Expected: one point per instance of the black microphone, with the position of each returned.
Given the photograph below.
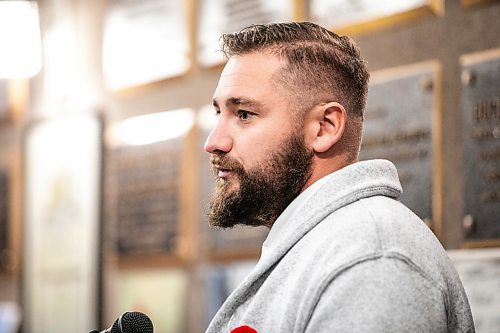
(130, 322)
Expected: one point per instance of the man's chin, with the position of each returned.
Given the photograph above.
(227, 187)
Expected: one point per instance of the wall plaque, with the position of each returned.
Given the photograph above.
(400, 122)
(143, 181)
(4, 100)
(159, 292)
(351, 17)
(143, 196)
(481, 142)
(4, 217)
(479, 270)
(475, 2)
(219, 281)
(217, 17)
(61, 250)
(144, 41)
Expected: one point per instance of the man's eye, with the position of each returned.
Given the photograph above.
(244, 115)
(217, 112)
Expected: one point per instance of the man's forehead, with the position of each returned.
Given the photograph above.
(246, 75)
(252, 64)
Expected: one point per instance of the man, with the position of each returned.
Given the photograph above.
(342, 255)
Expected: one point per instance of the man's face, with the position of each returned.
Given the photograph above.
(258, 150)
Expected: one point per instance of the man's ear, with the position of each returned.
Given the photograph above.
(332, 119)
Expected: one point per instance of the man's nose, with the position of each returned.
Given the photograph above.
(219, 140)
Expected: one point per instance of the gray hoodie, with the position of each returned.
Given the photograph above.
(351, 259)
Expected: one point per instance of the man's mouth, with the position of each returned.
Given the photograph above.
(225, 168)
(222, 172)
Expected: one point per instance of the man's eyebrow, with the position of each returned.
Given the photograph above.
(237, 101)
(242, 101)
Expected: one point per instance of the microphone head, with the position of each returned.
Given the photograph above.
(135, 322)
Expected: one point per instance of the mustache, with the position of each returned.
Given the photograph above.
(224, 162)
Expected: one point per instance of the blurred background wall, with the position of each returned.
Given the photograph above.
(103, 177)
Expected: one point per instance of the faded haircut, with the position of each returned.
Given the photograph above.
(321, 66)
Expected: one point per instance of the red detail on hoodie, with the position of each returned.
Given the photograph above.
(244, 329)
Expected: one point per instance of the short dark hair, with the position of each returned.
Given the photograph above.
(320, 63)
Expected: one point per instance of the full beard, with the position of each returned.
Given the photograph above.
(263, 192)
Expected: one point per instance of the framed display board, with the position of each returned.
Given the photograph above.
(216, 17)
(62, 257)
(14, 97)
(144, 178)
(219, 281)
(145, 41)
(481, 145)
(475, 2)
(406, 129)
(354, 17)
(4, 217)
(479, 270)
(161, 294)
(4, 101)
